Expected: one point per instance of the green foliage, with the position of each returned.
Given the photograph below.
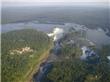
(75, 70)
(104, 52)
(68, 71)
(15, 67)
(69, 51)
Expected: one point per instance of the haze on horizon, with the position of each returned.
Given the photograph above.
(53, 2)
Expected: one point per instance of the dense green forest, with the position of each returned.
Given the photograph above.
(70, 68)
(21, 52)
(76, 70)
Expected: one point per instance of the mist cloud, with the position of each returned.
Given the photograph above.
(57, 34)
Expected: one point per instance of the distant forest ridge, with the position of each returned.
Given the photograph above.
(91, 16)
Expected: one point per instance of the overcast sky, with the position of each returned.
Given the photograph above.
(53, 2)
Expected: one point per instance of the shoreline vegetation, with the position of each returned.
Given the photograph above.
(77, 50)
(35, 69)
(18, 63)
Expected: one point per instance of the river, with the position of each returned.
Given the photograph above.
(98, 36)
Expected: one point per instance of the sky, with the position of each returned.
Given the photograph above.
(51, 2)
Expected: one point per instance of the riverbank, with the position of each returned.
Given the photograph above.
(35, 68)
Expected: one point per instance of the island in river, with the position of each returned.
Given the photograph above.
(74, 58)
(24, 50)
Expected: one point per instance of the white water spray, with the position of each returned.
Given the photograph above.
(57, 34)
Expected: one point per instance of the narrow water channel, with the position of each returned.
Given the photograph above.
(47, 66)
